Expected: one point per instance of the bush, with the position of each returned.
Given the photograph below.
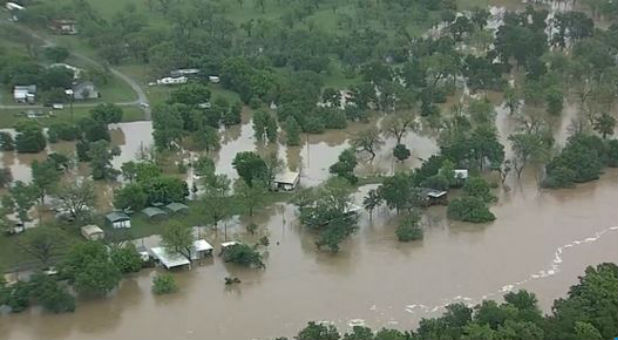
(401, 152)
(6, 141)
(408, 229)
(580, 161)
(62, 131)
(126, 258)
(612, 153)
(243, 255)
(469, 209)
(479, 188)
(50, 295)
(18, 296)
(437, 182)
(164, 284)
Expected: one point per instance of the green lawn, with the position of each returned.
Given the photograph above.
(8, 118)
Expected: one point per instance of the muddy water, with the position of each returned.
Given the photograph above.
(541, 241)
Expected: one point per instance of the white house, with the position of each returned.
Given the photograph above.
(214, 79)
(85, 90)
(461, 174)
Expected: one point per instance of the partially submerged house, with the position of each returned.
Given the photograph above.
(24, 94)
(167, 259)
(64, 26)
(434, 197)
(176, 208)
(92, 232)
(154, 213)
(286, 181)
(85, 90)
(118, 219)
(200, 249)
(227, 245)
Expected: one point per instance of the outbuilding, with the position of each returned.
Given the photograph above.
(167, 259)
(434, 197)
(200, 249)
(92, 232)
(176, 207)
(24, 93)
(286, 181)
(227, 245)
(118, 219)
(153, 212)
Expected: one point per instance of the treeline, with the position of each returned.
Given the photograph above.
(589, 312)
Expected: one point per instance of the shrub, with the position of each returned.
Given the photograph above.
(469, 209)
(50, 295)
(408, 229)
(164, 284)
(126, 258)
(479, 188)
(243, 255)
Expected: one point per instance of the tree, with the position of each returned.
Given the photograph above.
(318, 331)
(479, 188)
(485, 146)
(23, 197)
(178, 239)
(89, 268)
(345, 166)
(329, 214)
(5, 177)
(56, 54)
(107, 113)
(43, 243)
(168, 125)
(401, 152)
(30, 138)
(399, 192)
(93, 130)
(368, 140)
(6, 141)
(190, 94)
(243, 255)
(397, 125)
(126, 258)
(76, 197)
(528, 148)
(264, 126)
(587, 302)
(101, 156)
(372, 201)
(49, 294)
(359, 333)
(604, 124)
(469, 209)
(45, 176)
(581, 160)
(164, 284)
(250, 167)
(408, 229)
(132, 196)
(292, 131)
(250, 196)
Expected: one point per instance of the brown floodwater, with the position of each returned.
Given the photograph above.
(540, 241)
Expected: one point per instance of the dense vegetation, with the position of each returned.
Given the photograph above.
(589, 311)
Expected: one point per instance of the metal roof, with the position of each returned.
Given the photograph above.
(116, 216)
(169, 260)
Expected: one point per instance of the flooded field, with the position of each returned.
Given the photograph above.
(540, 241)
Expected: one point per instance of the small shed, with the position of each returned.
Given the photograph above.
(214, 79)
(92, 232)
(200, 249)
(167, 259)
(286, 181)
(176, 207)
(226, 245)
(152, 212)
(118, 219)
(461, 174)
(434, 197)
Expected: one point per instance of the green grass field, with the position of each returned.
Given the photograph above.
(8, 118)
